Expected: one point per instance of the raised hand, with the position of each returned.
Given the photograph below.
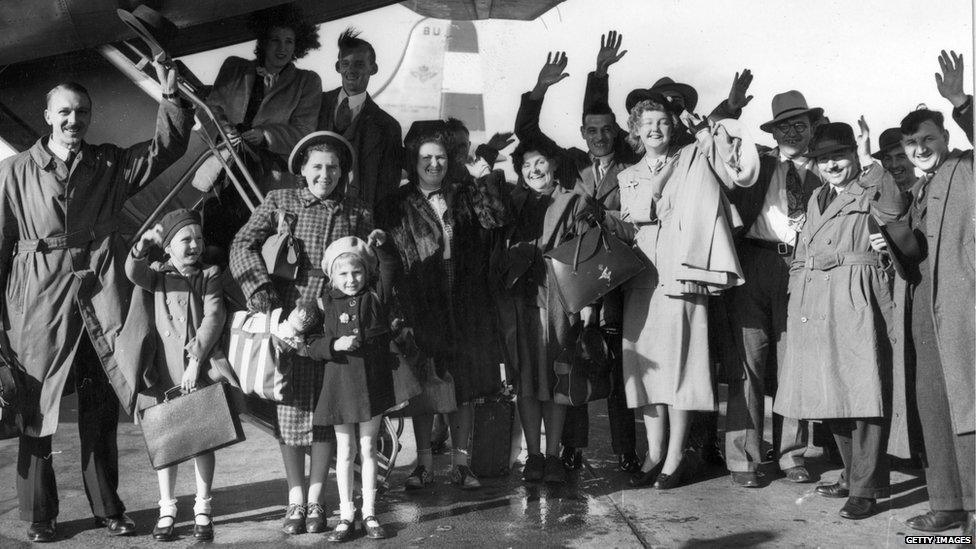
(376, 238)
(552, 71)
(609, 52)
(950, 82)
(165, 73)
(500, 140)
(740, 87)
(863, 141)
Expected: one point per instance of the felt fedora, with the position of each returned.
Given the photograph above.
(150, 25)
(832, 137)
(889, 139)
(787, 105)
(335, 141)
(665, 86)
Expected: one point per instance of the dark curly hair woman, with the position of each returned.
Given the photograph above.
(265, 105)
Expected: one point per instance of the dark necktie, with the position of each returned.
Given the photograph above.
(921, 197)
(343, 117)
(826, 197)
(796, 205)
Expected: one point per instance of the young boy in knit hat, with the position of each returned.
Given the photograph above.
(189, 315)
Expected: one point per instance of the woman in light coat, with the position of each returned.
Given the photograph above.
(672, 198)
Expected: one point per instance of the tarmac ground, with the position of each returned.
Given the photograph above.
(597, 508)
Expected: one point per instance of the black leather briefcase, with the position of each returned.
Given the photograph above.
(589, 266)
(189, 425)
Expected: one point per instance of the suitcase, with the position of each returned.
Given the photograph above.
(491, 434)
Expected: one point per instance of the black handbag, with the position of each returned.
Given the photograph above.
(189, 425)
(583, 373)
(589, 266)
(280, 250)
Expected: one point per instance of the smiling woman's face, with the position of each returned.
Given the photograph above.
(538, 171)
(655, 129)
(431, 165)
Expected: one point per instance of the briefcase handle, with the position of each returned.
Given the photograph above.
(178, 388)
(579, 245)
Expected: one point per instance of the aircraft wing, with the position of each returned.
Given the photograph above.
(468, 10)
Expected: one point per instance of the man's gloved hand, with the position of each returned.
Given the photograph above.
(264, 300)
(592, 211)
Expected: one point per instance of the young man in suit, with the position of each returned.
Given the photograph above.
(772, 213)
(892, 156)
(942, 322)
(349, 111)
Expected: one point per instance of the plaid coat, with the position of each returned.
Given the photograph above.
(314, 224)
(457, 327)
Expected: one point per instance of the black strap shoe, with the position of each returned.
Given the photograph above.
(119, 525)
(373, 528)
(42, 532)
(343, 532)
(165, 533)
(857, 508)
(203, 532)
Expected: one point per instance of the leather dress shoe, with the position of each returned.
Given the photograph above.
(673, 480)
(628, 462)
(294, 520)
(643, 479)
(745, 479)
(42, 532)
(165, 533)
(857, 508)
(798, 474)
(119, 525)
(315, 518)
(937, 521)
(572, 458)
(835, 490)
(203, 532)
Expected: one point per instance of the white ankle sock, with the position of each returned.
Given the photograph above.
(167, 507)
(369, 503)
(202, 506)
(347, 511)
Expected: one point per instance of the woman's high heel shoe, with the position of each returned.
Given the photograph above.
(642, 479)
(673, 480)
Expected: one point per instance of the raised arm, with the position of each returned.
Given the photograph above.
(950, 84)
(733, 158)
(143, 162)
(136, 263)
(527, 120)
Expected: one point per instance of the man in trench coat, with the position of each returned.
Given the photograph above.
(942, 299)
(66, 292)
(838, 354)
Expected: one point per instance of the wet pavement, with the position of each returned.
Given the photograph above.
(596, 509)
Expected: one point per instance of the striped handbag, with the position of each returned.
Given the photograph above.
(253, 355)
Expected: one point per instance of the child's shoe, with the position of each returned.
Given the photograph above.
(294, 519)
(167, 532)
(373, 528)
(315, 518)
(203, 532)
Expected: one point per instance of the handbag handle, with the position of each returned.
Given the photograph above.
(579, 245)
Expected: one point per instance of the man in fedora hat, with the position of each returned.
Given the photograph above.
(892, 156)
(773, 211)
(838, 353)
(942, 300)
(595, 174)
(350, 111)
(66, 295)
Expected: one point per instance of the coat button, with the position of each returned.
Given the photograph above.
(809, 279)
(823, 317)
(355, 331)
(169, 317)
(352, 302)
(167, 334)
(826, 277)
(828, 241)
(354, 317)
(803, 319)
(182, 319)
(894, 339)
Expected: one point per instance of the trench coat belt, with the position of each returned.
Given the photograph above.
(75, 239)
(826, 262)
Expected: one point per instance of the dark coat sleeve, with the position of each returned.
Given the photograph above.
(487, 201)
(964, 117)
(246, 264)
(214, 317)
(143, 162)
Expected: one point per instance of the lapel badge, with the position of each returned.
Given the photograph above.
(605, 273)
(344, 318)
